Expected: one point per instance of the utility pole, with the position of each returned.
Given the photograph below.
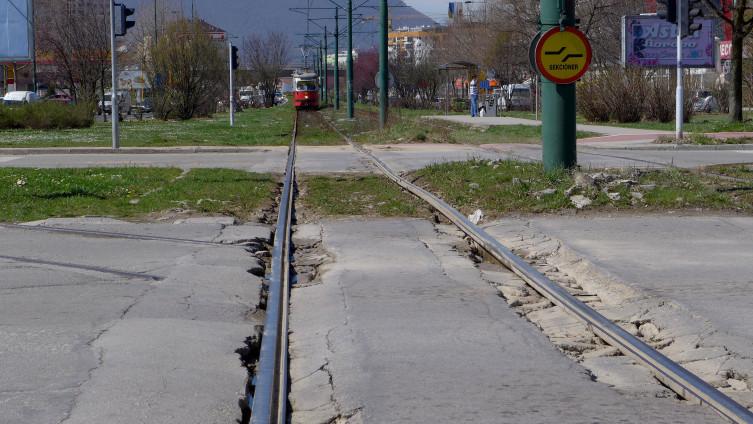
(231, 65)
(155, 22)
(114, 100)
(383, 65)
(350, 60)
(679, 98)
(321, 72)
(558, 106)
(326, 76)
(337, 59)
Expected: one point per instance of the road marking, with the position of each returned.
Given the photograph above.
(7, 158)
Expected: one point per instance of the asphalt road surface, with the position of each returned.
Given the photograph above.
(100, 329)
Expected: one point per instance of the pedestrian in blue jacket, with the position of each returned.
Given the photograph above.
(473, 92)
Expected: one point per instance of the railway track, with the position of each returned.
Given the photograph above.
(269, 400)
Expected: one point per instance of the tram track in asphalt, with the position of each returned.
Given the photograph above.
(683, 382)
(113, 235)
(266, 399)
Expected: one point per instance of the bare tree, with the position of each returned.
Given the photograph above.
(266, 57)
(416, 80)
(742, 25)
(189, 68)
(79, 46)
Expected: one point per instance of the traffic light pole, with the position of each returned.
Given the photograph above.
(114, 98)
(558, 106)
(232, 94)
(326, 75)
(383, 64)
(680, 95)
(350, 60)
(337, 59)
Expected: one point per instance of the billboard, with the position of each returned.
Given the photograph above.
(16, 35)
(651, 42)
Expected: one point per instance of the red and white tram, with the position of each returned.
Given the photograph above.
(306, 93)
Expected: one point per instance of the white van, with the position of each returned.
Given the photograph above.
(18, 98)
(515, 97)
(124, 103)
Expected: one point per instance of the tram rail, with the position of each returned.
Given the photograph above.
(683, 382)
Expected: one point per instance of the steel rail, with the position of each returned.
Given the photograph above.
(269, 403)
(673, 375)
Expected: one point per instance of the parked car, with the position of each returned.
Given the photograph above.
(61, 98)
(514, 97)
(144, 107)
(18, 98)
(705, 102)
(124, 103)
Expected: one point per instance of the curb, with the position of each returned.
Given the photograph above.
(132, 150)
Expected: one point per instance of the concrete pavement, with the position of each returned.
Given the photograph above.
(683, 284)
(403, 329)
(105, 329)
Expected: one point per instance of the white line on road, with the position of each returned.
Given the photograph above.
(8, 158)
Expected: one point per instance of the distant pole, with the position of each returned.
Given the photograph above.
(114, 98)
(232, 95)
(350, 60)
(321, 73)
(383, 66)
(155, 22)
(33, 47)
(337, 59)
(679, 109)
(326, 75)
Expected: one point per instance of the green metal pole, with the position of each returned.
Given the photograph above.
(383, 66)
(320, 71)
(337, 59)
(558, 100)
(326, 75)
(350, 59)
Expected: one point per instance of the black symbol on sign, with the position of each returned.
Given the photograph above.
(562, 50)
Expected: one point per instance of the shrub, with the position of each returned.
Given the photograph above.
(660, 99)
(591, 100)
(46, 116)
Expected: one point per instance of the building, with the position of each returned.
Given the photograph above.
(414, 42)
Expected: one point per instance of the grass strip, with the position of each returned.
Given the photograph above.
(32, 194)
(511, 187)
(357, 195)
(253, 127)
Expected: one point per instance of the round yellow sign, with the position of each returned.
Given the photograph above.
(563, 56)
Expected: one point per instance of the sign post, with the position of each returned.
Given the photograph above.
(562, 55)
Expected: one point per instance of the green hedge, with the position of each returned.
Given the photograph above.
(46, 116)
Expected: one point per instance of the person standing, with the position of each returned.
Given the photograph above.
(473, 92)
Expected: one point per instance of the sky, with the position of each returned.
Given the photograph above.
(435, 9)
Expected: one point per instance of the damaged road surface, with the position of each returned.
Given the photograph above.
(126, 323)
(396, 325)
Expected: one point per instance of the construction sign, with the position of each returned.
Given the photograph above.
(563, 56)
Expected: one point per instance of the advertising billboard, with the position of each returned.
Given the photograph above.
(651, 42)
(16, 31)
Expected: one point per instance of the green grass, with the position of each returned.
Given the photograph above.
(357, 195)
(31, 194)
(700, 139)
(253, 127)
(410, 126)
(511, 187)
(699, 123)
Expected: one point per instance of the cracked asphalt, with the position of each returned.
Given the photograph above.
(404, 329)
(85, 337)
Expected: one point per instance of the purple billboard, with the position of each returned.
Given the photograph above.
(650, 42)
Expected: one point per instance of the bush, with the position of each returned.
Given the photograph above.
(613, 94)
(660, 99)
(46, 116)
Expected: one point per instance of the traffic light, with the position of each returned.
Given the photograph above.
(670, 12)
(234, 57)
(692, 12)
(122, 24)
